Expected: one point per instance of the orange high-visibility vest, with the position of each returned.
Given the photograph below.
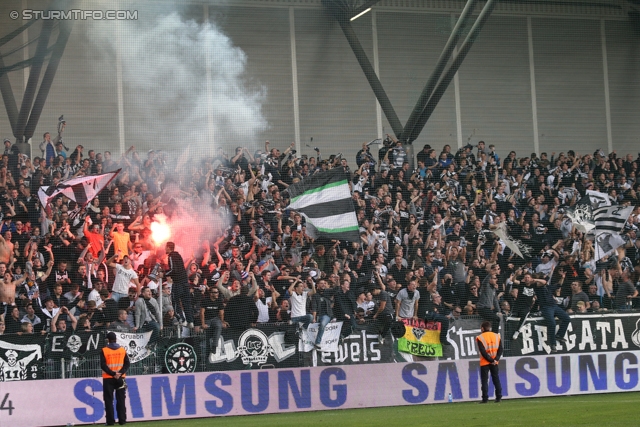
(114, 358)
(491, 342)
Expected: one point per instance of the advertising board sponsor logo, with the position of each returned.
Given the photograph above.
(362, 346)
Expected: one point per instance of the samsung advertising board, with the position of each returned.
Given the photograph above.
(208, 394)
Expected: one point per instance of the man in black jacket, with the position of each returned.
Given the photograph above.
(182, 298)
(345, 308)
(321, 308)
(241, 312)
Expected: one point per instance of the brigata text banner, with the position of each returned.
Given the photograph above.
(216, 394)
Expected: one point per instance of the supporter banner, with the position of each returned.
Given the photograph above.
(180, 358)
(213, 394)
(421, 338)
(586, 334)
(74, 344)
(19, 360)
(360, 347)
(330, 337)
(135, 344)
(461, 337)
(255, 348)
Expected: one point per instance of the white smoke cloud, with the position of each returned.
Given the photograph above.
(176, 74)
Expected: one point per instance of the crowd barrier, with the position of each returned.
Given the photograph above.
(76, 355)
(269, 369)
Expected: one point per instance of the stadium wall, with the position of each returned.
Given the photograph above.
(79, 401)
(539, 77)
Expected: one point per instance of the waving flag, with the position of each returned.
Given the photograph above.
(611, 218)
(517, 246)
(606, 243)
(582, 215)
(598, 199)
(81, 189)
(325, 201)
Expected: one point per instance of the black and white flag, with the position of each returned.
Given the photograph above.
(581, 215)
(598, 199)
(324, 199)
(611, 218)
(81, 189)
(606, 243)
(517, 246)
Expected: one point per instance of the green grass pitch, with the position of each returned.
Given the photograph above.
(614, 409)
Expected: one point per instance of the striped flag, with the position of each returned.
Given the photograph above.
(421, 338)
(325, 201)
(611, 218)
(81, 189)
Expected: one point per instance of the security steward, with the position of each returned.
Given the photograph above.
(490, 349)
(114, 362)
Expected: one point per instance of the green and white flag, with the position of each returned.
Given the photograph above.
(325, 201)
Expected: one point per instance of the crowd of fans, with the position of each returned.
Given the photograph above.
(426, 250)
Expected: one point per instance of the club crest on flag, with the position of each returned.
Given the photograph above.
(418, 333)
(581, 215)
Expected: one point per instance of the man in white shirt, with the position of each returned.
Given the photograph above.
(548, 263)
(407, 301)
(138, 256)
(94, 295)
(379, 265)
(263, 306)
(298, 302)
(125, 274)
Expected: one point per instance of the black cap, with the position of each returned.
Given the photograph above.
(111, 336)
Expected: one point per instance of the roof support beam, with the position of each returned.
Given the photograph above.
(56, 55)
(440, 89)
(371, 76)
(421, 104)
(34, 77)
